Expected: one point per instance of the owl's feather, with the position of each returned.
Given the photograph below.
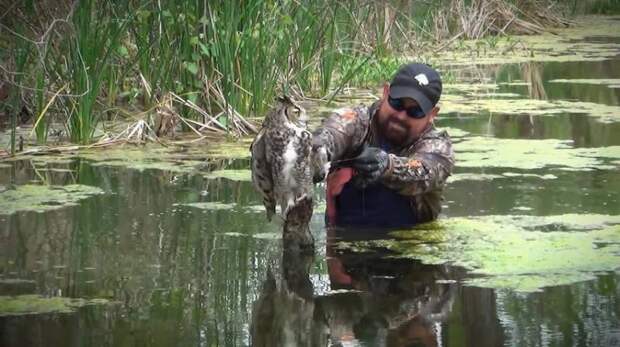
(261, 174)
(281, 168)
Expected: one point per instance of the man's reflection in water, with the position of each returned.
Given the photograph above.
(375, 300)
(391, 302)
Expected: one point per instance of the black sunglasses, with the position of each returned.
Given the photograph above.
(414, 111)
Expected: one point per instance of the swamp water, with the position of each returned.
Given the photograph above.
(163, 247)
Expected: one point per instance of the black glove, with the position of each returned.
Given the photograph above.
(370, 165)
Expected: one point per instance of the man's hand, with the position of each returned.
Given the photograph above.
(370, 165)
(319, 162)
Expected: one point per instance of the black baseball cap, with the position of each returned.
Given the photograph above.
(419, 82)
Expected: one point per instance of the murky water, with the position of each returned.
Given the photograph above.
(173, 273)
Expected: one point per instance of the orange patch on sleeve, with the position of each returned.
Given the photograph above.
(412, 163)
(349, 115)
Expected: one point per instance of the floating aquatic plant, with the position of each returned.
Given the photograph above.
(527, 154)
(513, 252)
(466, 104)
(36, 304)
(598, 81)
(233, 175)
(209, 205)
(40, 198)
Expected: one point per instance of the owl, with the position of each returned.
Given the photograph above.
(281, 168)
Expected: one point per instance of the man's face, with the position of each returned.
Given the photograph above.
(397, 127)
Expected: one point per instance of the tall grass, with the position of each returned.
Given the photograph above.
(229, 58)
(41, 124)
(596, 6)
(97, 36)
(22, 51)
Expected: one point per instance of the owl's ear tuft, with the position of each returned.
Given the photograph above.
(285, 99)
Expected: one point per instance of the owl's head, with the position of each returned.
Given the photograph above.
(291, 110)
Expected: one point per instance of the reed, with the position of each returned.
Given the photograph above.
(22, 51)
(41, 124)
(225, 60)
(97, 36)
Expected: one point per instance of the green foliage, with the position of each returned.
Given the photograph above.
(36, 304)
(22, 52)
(514, 252)
(39, 103)
(41, 198)
(228, 57)
(97, 35)
(596, 6)
(492, 41)
(374, 69)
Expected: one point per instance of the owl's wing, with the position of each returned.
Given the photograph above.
(261, 173)
(306, 153)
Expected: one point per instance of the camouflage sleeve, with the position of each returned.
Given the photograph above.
(425, 170)
(341, 134)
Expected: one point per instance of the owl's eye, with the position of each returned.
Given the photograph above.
(292, 111)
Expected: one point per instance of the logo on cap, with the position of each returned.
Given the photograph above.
(422, 79)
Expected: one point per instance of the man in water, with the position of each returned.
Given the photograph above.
(389, 164)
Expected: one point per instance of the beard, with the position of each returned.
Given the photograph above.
(394, 131)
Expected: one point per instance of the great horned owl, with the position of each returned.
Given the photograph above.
(281, 168)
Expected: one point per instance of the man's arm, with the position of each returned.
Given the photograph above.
(426, 170)
(340, 134)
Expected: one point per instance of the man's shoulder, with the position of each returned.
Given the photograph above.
(349, 122)
(352, 113)
(434, 141)
(437, 134)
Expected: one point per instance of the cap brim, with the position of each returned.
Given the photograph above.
(425, 103)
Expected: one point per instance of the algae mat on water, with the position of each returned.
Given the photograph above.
(469, 104)
(40, 198)
(148, 157)
(527, 154)
(210, 205)
(488, 177)
(612, 82)
(177, 158)
(233, 175)
(574, 43)
(36, 304)
(500, 252)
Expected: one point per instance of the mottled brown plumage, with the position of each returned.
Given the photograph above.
(281, 169)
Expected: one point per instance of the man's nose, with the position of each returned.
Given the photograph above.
(401, 115)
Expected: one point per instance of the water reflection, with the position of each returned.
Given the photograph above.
(533, 83)
(375, 300)
(601, 94)
(393, 302)
(286, 313)
(532, 75)
(174, 274)
(179, 275)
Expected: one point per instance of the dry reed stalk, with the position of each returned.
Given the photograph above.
(240, 126)
(497, 17)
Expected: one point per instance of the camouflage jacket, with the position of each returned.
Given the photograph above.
(418, 170)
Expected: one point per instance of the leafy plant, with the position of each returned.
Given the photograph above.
(226, 59)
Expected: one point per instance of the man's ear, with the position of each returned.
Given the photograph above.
(386, 90)
(434, 113)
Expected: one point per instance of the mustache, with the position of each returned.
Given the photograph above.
(398, 121)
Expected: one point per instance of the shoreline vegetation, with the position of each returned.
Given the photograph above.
(87, 74)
